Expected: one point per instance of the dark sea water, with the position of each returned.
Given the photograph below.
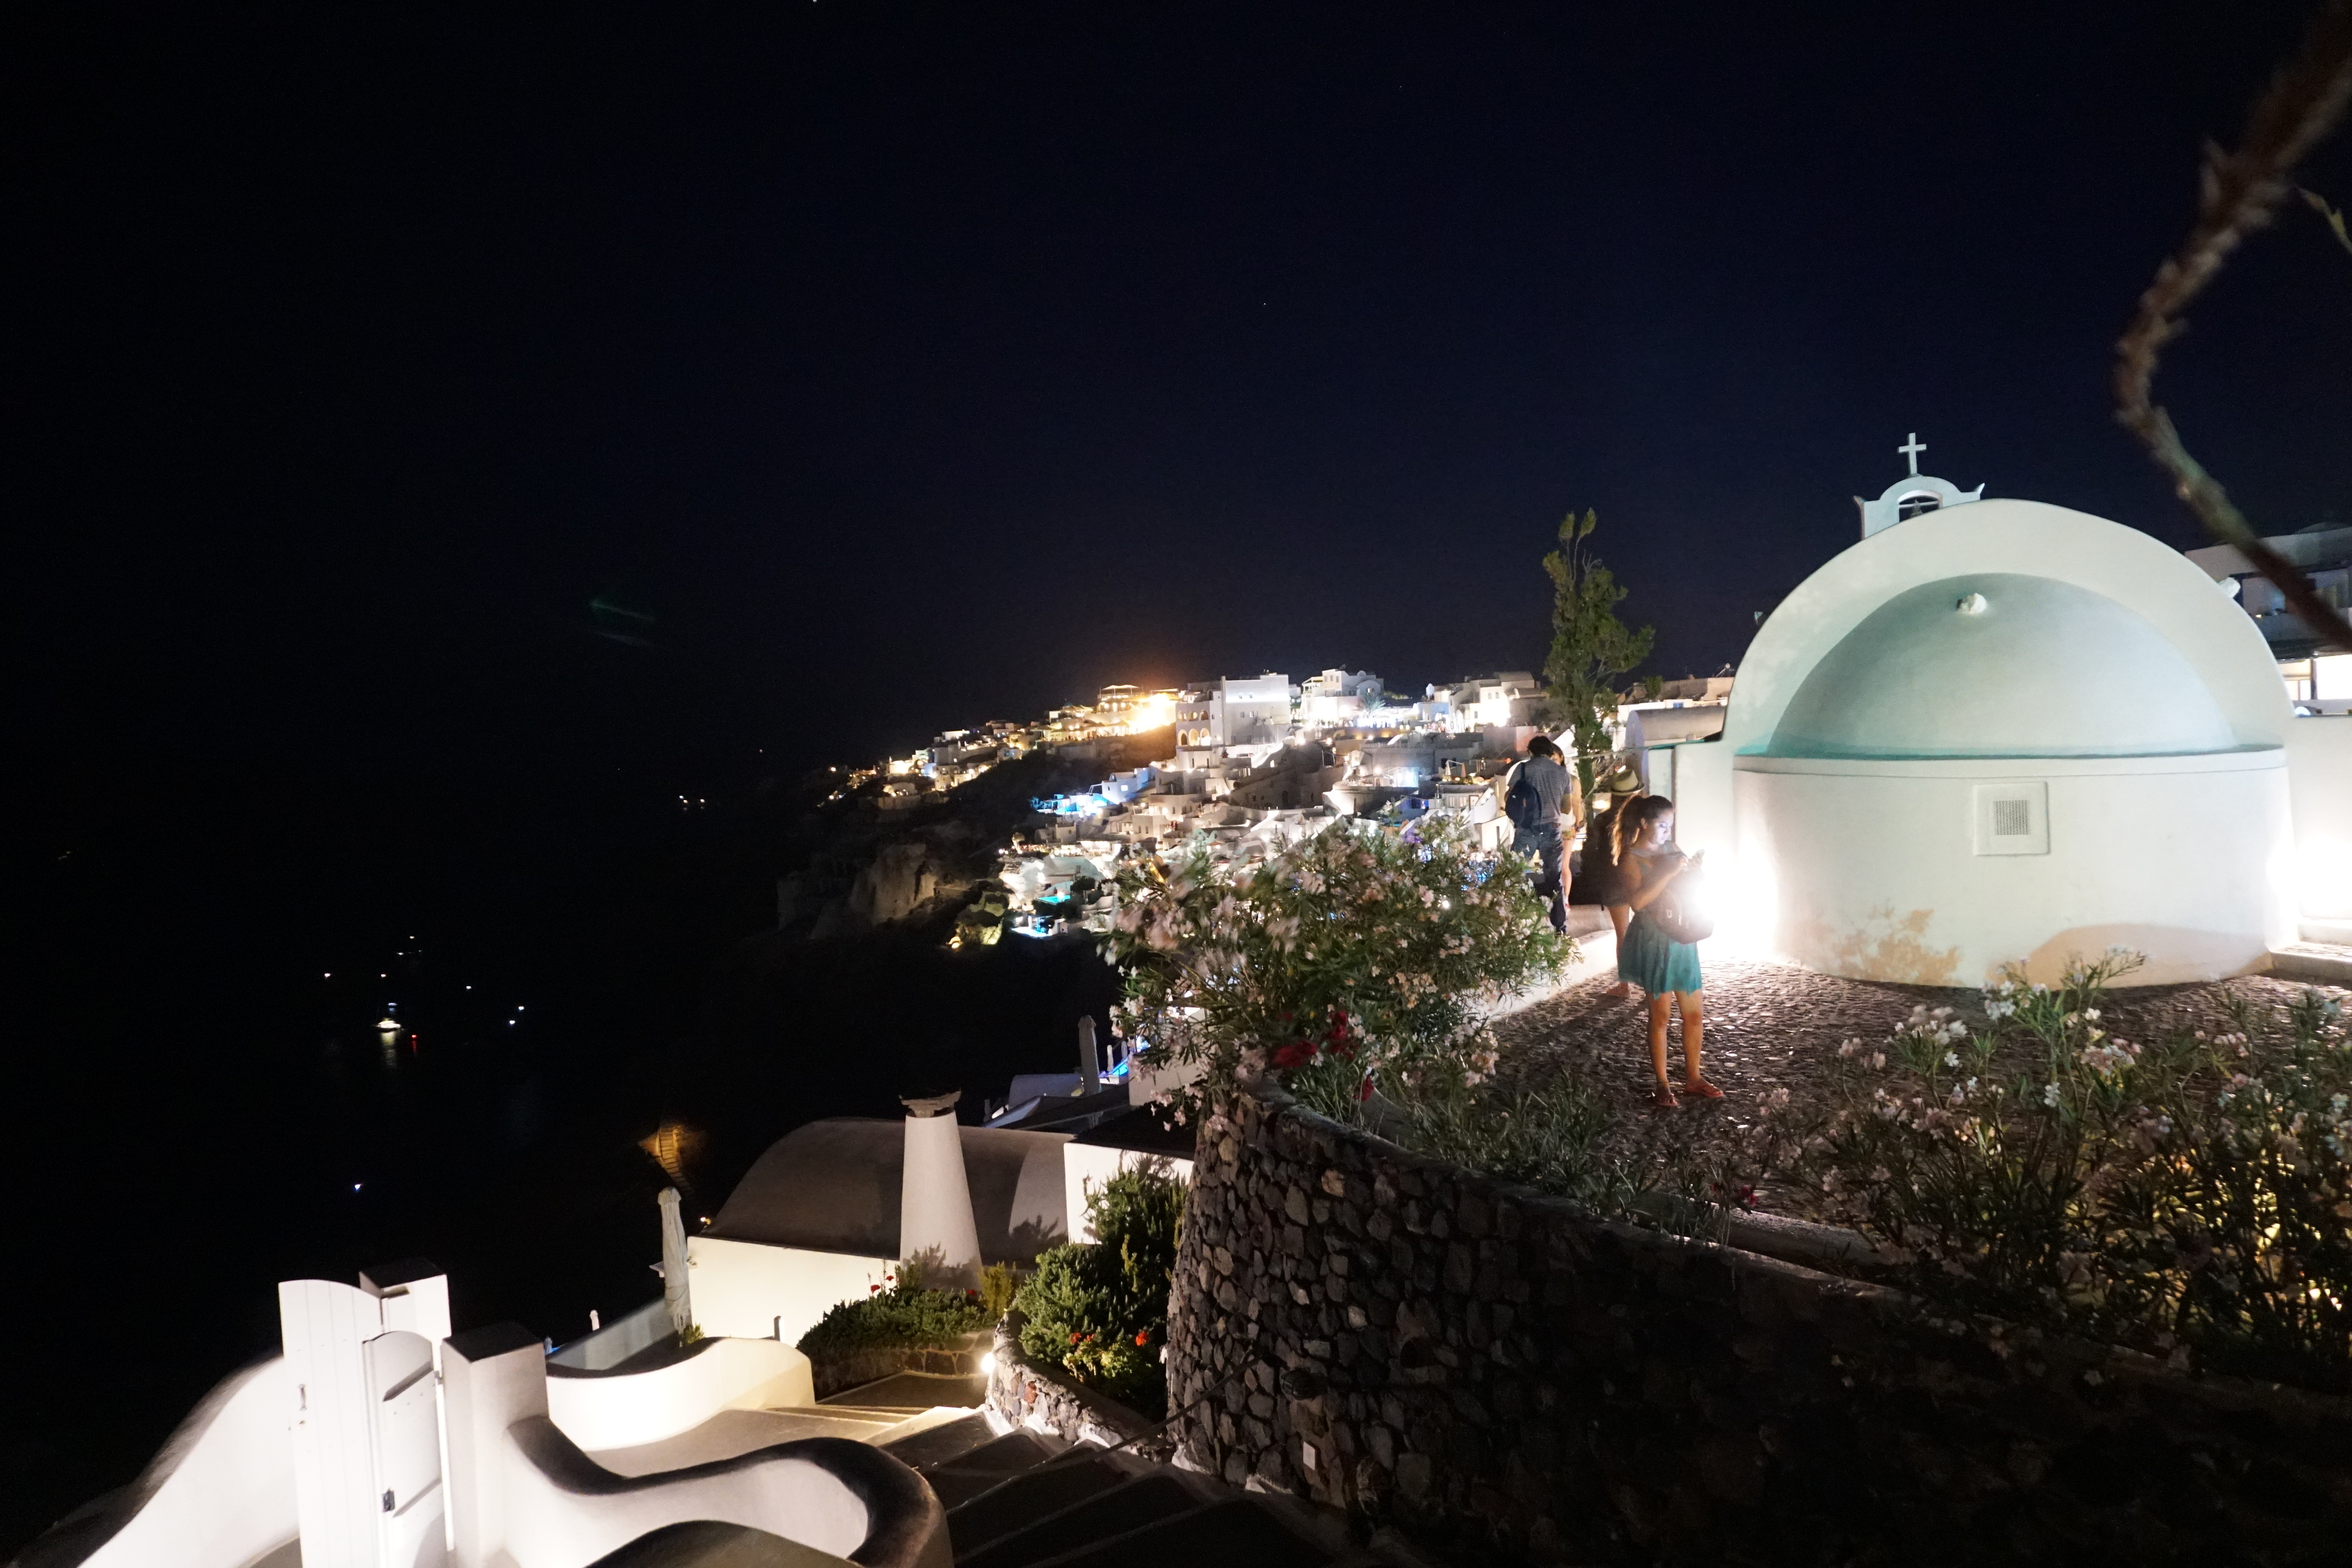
(201, 1103)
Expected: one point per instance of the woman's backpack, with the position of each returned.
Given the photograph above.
(1681, 911)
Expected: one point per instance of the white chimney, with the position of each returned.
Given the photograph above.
(935, 1223)
(674, 1264)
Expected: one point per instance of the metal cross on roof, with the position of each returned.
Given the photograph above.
(1912, 449)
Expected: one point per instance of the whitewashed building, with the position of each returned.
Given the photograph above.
(2000, 730)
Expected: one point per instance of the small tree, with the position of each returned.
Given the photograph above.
(1589, 646)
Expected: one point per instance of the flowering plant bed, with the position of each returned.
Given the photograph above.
(2162, 1168)
(2186, 1193)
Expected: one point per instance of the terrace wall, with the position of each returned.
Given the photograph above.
(1502, 1376)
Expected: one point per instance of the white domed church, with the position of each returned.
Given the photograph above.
(1998, 731)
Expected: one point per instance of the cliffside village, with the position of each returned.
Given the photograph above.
(1252, 764)
(1257, 763)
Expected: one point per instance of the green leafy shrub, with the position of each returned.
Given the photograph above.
(1353, 957)
(1100, 1310)
(2191, 1196)
(897, 1313)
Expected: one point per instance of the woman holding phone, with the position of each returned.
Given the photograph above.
(1647, 865)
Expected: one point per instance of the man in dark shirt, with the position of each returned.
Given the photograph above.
(1546, 772)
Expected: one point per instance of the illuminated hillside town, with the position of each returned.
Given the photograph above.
(1256, 764)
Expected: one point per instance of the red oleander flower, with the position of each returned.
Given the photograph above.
(1143, 1336)
(1298, 1053)
(1076, 1337)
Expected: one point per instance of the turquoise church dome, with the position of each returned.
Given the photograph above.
(2001, 664)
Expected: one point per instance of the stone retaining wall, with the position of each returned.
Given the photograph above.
(1042, 1399)
(852, 1369)
(1504, 1377)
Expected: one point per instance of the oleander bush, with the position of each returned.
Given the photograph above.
(2190, 1196)
(1355, 958)
(1098, 1310)
(898, 1313)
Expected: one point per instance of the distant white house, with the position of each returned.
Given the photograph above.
(1336, 698)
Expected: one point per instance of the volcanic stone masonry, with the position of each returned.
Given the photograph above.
(1499, 1375)
(1043, 1400)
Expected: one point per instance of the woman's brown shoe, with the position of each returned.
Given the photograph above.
(1663, 1099)
(1700, 1089)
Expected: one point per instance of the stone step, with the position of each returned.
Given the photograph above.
(2321, 963)
(910, 1391)
(1025, 1499)
(1014, 1451)
(939, 1444)
(1125, 1507)
(1234, 1534)
(974, 1471)
(874, 1416)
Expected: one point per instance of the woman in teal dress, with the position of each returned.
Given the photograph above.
(1647, 864)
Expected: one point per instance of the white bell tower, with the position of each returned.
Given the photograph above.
(1912, 494)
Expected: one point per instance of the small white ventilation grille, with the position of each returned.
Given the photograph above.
(2012, 818)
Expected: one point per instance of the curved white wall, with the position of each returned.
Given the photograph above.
(620, 1410)
(554, 1520)
(1870, 869)
(524, 1495)
(750, 1288)
(2319, 760)
(221, 1492)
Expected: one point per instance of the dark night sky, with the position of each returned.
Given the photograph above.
(917, 365)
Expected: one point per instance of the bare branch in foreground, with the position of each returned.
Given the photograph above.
(2238, 194)
(2334, 216)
